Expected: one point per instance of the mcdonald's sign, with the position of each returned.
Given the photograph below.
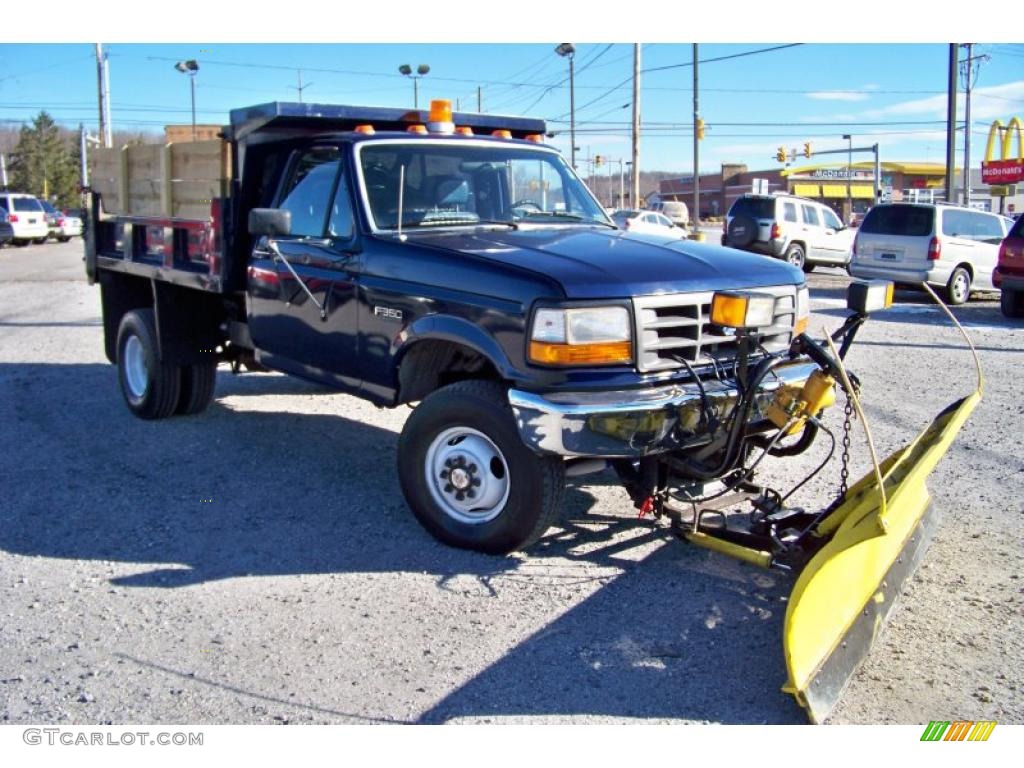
(1007, 169)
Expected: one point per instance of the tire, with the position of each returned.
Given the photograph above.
(150, 386)
(795, 255)
(63, 239)
(1012, 303)
(808, 268)
(469, 426)
(198, 383)
(958, 289)
(40, 240)
(19, 243)
(742, 231)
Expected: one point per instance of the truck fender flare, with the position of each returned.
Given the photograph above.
(457, 331)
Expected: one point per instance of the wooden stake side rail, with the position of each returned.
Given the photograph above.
(160, 210)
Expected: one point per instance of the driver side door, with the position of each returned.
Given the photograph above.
(302, 287)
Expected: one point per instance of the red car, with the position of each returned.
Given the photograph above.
(1008, 275)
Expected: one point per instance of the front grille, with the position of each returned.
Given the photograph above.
(679, 325)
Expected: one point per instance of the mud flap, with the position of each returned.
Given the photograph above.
(845, 593)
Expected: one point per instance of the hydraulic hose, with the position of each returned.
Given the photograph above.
(740, 416)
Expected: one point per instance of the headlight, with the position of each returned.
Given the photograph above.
(803, 311)
(584, 336)
(866, 296)
(742, 310)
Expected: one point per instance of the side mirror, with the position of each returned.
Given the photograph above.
(272, 222)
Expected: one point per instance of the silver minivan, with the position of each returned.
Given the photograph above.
(947, 246)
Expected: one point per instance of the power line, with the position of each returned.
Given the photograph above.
(722, 58)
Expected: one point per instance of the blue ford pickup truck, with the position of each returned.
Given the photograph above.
(454, 262)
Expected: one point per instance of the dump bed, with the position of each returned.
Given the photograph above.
(157, 211)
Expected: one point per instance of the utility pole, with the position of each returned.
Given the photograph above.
(84, 165)
(480, 99)
(695, 218)
(969, 70)
(103, 87)
(951, 124)
(3, 171)
(301, 87)
(635, 190)
(622, 182)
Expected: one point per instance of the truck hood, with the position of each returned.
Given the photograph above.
(594, 263)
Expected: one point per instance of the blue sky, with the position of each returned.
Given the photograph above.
(893, 94)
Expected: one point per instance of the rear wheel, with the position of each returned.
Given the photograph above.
(197, 387)
(795, 256)
(808, 268)
(40, 240)
(1012, 303)
(150, 386)
(958, 289)
(469, 478)
(63, 238)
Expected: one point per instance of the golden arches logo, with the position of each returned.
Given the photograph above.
(994, 131)
(1007, 169)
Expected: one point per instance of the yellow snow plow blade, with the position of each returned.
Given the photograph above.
(845, 593)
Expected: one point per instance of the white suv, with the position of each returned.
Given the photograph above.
(27, 217)
(801, 231)
(944, 245)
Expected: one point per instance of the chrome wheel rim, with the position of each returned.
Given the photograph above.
(467, 475)
(136, 374)
(796, 257)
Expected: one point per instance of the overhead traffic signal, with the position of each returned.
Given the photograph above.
(781, 155)
(598, 160)
(807, 149)
(700, 128)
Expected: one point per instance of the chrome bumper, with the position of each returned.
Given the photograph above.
(634, 422)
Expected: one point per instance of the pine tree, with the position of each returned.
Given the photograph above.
(43, 163)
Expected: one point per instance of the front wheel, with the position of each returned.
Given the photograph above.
(469, 478)
(958, 289)
(40, 240)
(150, 385)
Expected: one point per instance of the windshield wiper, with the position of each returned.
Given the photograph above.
(570, 216)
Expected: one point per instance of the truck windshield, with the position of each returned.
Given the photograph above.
(449, 183)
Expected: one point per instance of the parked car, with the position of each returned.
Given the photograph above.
(675, 210)
(947, 246)
(6, 230)
(798, 230)
(68, 225)
(647, 223)
(26, 215)
(1009, 273)
(52, 215)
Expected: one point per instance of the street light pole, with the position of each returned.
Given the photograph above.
(190, 68)
(849, 177)
(568, 50)
(421, 71)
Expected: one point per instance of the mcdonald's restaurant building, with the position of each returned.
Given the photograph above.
(850, 191)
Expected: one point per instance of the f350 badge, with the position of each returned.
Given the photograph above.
(388, 313)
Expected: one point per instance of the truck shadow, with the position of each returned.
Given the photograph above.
(673, 633)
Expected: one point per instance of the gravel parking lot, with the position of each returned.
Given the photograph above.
(257, 564)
